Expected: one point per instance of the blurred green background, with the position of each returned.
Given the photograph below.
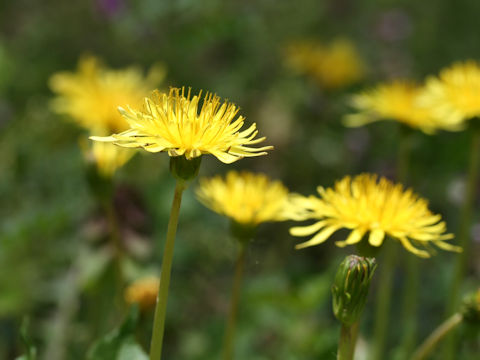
(52, 231)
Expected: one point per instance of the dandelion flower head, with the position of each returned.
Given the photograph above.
(333, 65)
(455, 93)
(181, 124)
(92, 94)
(399, 101)
(247, 198)
(379, 208)
(143, 292)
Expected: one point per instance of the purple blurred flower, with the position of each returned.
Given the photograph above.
(110, 7)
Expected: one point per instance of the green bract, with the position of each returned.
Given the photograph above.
(351, 286)
(184, 169)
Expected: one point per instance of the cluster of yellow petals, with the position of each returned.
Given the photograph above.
(247, 198)
(454, 95)
(187, 125)
(143, 292)
(400, 101)
(381, 208)
(92, 94)
(333, 65)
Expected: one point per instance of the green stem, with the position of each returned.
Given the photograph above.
(436, 336)
(348, 339)
(463, 238)
(161, 307)
(410, 291)
(410, 300)
(403, 154)
(384, 298)
(232, 317)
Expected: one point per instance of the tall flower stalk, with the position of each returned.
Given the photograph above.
(161, 308)
(437, 336)
(350, 290)
(401, 101)
(411, 285)
(103, 161)
(469, 313)
(384, 299)
(90, 97)
(410, 293)
(248, 199)
(186, 127)
(184, 171)
(231, 324)
(455, 96)
(365, 205)
(347, 342)
(463, 236)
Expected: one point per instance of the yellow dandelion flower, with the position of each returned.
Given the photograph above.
(364, 205)
(301, 56)
(92, 94)
(333, 66)
(172, 122)
(107, 158)
(454, 95)
(247, 198)
(143, 292)
(398, 101)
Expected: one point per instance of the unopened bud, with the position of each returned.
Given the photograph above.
(471, 308)
(350, 288)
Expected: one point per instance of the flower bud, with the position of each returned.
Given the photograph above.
(184, 169)
(471, 308)
(350, 288)
(143, 292)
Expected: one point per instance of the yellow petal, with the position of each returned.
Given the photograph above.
(354, 237)
(319, 238)
(449, 247)
(408, 245)
(307, 230)
(376, 237)
(103, 138)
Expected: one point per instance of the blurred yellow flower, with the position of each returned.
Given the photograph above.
(399, 101)
(143, 292)
(92, 94)
(107, 157)
(365, 204)
(333, 66)
(247, 198)
(454, 95)
(172, 122)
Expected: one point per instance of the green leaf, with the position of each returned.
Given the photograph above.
(130, 350)
(117, 342)
(31, 351)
